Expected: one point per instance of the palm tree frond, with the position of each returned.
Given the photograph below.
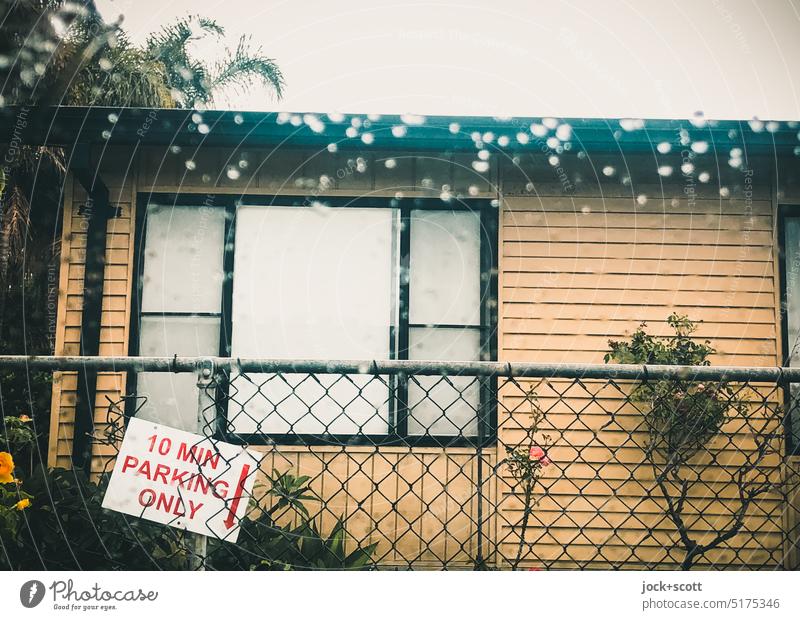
(243, 64)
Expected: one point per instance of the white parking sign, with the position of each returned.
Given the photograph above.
(182, 480)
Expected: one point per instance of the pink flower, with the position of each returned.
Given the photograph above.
(539, 455)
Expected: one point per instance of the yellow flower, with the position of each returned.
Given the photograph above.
(25, 418)
(22, 504)
(6, 467)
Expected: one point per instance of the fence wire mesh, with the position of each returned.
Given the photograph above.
(452, 470)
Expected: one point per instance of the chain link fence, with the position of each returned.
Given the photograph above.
(480, 465)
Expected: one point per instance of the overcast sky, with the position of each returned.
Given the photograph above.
(582, 58)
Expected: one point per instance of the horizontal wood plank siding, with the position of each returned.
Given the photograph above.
(576, 272)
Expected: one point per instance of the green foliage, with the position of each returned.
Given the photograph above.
(66, 528)
(680, 349)
(682, 416)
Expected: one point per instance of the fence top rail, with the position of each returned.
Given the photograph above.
(411, 367)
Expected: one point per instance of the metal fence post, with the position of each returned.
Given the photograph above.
(206, 418)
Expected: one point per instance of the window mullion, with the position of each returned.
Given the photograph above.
(402, 335)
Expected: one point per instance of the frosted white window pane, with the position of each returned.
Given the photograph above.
(183, 259)
(302, 404)
(792, 270)
(172, 398)
(439, 407)
(445, 268)
(313, 283)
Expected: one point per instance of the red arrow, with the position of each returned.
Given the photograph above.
(231, 518)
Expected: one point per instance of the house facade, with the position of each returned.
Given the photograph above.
(335, 237)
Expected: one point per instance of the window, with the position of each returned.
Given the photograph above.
(359, 279)
(790, 278)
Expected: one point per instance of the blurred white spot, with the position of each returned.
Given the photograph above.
(522, 138)
(488, 137)
(586, 209)
(412, 119)
(283, 117)
(503, 141)
(724, 192)
(480, 166)
(495, 203)
(641, 199)
(351, 132)
(361, 164)
(553, 142)
(446, 196)
(313, 122)
(540, 131)
(368, 138)
(335, 117)
(700, 146)
(190, 165)
(550, 122)
(553, 160)
(454, 127)
(296, 120)
(609, 171)
(564, 132)
(232, 173)
(756, 125)
(333, 147)
(113, 118)
(390, 163)
(664, 147)
(687, 168)
(398, 131)
(698, 120)
(529, 187)
(631, 124)
(704, 177)
(203, 128)
(238, 119)
(473, 190)
(773, 126)
(665, 171)
(483, 154)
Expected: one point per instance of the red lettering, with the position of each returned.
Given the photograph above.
(147, 497)
(162, 503)
(130, 461)
(162, 471)
(193, 508)
(144, 470)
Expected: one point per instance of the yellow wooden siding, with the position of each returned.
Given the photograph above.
(115, 317)
(578, 271)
